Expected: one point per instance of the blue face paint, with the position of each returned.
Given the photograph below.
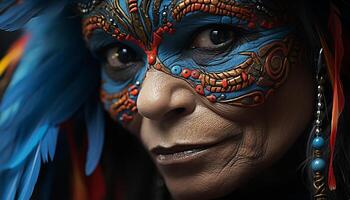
(244, 74)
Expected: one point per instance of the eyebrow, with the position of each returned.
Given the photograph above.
(179, 11)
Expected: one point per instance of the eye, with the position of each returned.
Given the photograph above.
(121, 63)
(120, 57)
(213, 38)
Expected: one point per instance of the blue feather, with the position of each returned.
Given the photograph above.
(25, 150)
(95, 125)
(9, 181)
(48, 144)
(73, 85)
(54, 79)
(30, 175)
(52, 142)
(18, 14)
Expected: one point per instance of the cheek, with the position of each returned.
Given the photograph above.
(289, 110)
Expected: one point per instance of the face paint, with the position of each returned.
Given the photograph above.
(250, 72)
(245, 84)
(242, 11)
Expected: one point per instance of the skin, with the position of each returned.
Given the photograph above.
(265, 133)
(236, 141)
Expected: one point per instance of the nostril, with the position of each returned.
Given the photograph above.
(175, 112)
(178, 111)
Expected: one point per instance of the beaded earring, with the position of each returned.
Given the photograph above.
(318, 163)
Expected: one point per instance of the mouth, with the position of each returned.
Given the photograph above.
(183, 153)
(177, 153)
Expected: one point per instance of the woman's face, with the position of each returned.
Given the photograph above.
(216, 90)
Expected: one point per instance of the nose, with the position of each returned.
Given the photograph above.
(163, 96)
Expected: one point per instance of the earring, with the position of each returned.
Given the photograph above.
(318, 163)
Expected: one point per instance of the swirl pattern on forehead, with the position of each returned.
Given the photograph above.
(245, 12)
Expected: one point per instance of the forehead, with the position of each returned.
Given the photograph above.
(152, 10)
(156, 5)
(144, 20)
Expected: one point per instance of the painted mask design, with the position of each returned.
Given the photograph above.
(251, 48)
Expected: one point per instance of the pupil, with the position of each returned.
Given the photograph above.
(125, 55)
(219, 36)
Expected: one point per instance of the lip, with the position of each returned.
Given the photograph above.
(184, 153)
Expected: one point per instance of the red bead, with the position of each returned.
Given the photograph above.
(151, 59)
(211, 98)
(158, 66)
(166, 29)
(186, 73)
(134, 92)
(251, 25)
(195, 74)
(199, 89)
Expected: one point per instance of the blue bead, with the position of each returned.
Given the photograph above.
(318, 164)
(318, 142)
(176, 70)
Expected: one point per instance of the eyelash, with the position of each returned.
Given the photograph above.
(121, 75)
(200, 55)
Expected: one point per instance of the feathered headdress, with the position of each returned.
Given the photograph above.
(53, 79)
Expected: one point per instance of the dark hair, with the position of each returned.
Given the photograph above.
(313, 16)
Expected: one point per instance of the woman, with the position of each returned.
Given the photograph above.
(223, 95)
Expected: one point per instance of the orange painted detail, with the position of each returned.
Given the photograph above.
(134, 92)
(133, 6)
(224, 83)
(121, 102)
(225, 8)
(244, 76)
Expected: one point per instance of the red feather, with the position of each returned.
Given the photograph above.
(334, 65)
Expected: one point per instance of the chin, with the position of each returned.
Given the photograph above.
(207, 180)
(205, 185)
